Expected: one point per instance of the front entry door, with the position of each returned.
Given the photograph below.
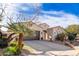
(37, 35)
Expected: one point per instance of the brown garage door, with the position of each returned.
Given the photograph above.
(36, 36)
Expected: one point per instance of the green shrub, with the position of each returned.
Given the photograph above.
(12, 50)
(13, 44)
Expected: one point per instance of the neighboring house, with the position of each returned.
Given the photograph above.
(77, 37)
(54, 31)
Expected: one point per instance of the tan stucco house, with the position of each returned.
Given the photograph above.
(39, 28)
(54, 31)
(42, 31)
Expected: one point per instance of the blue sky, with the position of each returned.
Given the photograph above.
(66, 7)
(54, 14)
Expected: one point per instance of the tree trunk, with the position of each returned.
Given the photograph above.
(20, 40)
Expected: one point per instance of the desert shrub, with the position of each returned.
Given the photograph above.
(71, 36)
(61, 37)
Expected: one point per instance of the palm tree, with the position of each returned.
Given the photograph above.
(19, 27)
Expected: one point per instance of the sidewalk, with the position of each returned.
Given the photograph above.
(34, 52)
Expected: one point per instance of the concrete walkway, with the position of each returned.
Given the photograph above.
(50, 48)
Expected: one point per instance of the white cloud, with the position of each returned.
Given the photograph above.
(10, 10)
(34, 5)
(4, 29)
(25, 8)
(13, 8)
(61, 19)
(53, 12)
(28, 6)
(64, 20)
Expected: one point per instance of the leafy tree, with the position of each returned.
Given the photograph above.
(73, 28)
(71, 32)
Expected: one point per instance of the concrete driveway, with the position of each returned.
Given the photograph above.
(46, 46)
(51, 49)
